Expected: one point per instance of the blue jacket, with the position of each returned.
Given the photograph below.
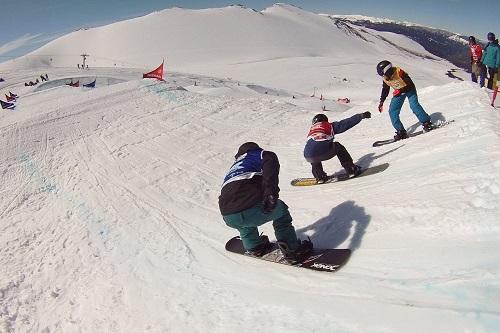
(253, 176)
(317, 148)
(491, 55)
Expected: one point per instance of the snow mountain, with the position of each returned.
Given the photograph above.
(441, 43)
(234, 42)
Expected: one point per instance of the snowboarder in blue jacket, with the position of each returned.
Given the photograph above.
(249, 198)
(321, 147)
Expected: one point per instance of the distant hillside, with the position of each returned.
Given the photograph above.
(220, 37)
(240, 43)
(442, 43)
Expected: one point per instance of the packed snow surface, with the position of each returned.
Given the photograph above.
(108, 206)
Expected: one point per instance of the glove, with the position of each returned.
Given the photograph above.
(380, 106)
(366, 115)
(269, 203)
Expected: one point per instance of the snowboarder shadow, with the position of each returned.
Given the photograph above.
(436, 117)
(367, 160)
(345, 221)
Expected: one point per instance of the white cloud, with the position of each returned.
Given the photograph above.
(17, 43)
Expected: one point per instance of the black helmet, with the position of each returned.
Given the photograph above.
(320, 117)
(383, 66)
(491, 37)
(247, 146)
(472, 39)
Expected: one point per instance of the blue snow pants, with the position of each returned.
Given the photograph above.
(416, 108)
(247, 221)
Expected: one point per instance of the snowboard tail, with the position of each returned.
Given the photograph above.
(338, 177)
(325, 260)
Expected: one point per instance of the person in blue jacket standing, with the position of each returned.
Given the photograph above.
(321, 147)
(491, 58)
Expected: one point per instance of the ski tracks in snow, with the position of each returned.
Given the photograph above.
(108, 196)
(112, 204)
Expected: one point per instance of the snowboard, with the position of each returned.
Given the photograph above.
(411, 135)
(324, 260)
(338, 177)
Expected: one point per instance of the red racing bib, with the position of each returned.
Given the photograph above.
(321, 131)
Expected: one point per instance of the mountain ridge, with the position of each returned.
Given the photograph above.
(440, 42)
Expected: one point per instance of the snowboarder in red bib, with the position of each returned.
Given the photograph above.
(321, 147)
(249, 198)
(400, 81)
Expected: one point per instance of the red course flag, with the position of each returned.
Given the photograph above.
(155, 74)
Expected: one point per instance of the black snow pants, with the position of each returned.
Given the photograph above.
(336, 149)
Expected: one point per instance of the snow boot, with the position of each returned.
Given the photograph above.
(355, 170)
(263, 248)
(298, 255)
(400, 135)
(428, 126)
(322, 179)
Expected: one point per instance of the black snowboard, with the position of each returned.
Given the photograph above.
(338, 177)
(325, 260)
(410, 135)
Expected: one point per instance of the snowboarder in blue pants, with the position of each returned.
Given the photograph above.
(249, 198)
(400, 81)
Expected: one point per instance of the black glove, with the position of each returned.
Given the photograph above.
(366, 114)
(380, 107)
(269, 203)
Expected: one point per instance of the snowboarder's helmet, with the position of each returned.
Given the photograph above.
(491, 37)
(472, 39)
(247, 146)
(320, 117)
(383, 66)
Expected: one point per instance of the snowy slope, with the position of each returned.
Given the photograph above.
(109, 219)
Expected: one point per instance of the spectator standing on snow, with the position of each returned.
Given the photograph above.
(491, 58)
(475, 53)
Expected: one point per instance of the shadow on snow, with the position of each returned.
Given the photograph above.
(347, 221)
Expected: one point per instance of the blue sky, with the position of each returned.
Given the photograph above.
(28, 24)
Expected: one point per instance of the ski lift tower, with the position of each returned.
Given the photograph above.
(84, 55)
